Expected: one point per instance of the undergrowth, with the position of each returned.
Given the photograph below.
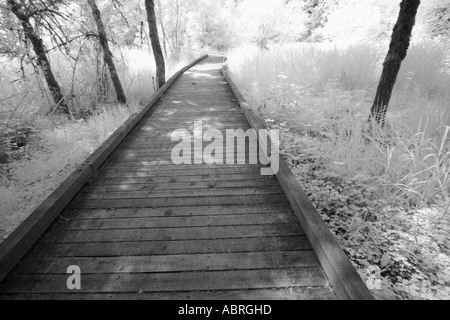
(384, 193)
(54, 149)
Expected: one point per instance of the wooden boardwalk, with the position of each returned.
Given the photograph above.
(145, 228)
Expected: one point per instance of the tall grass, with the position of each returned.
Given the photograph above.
(326, 92)
(308, 65)
(61, 148)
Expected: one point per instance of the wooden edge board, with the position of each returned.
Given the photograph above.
(22, 239)
(344, 278)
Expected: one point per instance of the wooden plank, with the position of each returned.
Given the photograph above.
(171, 282)
(146, 145)
(131, 157)
(192, 84)
(185, 112)
(211, 120)
(296, 293)
(345, 280)
(190, 127)
(231, 117)
(188, 121)
(98, 186)
(172, 263)
(111, 179)
(187, 90)
(148, 165)
(205, 101)
(171, 234)
(23, 238)
(163, 144)
(178, 222)
(154, 248)
(201, 171)
(198, 105)
(161, 162)
(173, 195)
(184, 176)
(159, 139)
(199, 97)
(163, 135)
(178, 211)
(236, 161)
(165, 151)
(176, 110)
(189, 86)
(190, 171)
(144, 149)
(177, 202)
(162, 156)
(195, 91)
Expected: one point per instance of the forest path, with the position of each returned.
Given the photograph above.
(145, 228)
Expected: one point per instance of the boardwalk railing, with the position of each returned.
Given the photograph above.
(345, 280)
(13, 249)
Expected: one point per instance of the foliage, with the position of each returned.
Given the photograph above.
(15, 137)
(210, 25)
(437, 17)
(384, 194)
(69, 34)
(266, 21)
(44, 162)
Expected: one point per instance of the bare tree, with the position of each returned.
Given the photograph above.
(38, 46)
(107, 52)
(398, 49)
(161, 25)
(157, 52)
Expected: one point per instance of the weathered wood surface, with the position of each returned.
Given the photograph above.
(146, 229)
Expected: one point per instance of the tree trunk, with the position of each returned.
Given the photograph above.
(107, 52)
(161, 25)
(42, 59)
(398, 49)
(157, 52)
(177, 25)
